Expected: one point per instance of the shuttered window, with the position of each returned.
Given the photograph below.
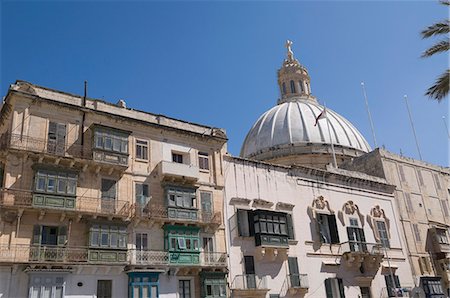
(104, 288)
(392, 285)
(56, 138)
(328, 228)
(108, 189)
(48, 235)
(334, 288)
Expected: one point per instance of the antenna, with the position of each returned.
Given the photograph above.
(412, 126)
(446, 127)
(370, 115)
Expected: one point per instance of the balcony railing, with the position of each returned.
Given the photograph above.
(361, 247)
(297, 281)
(89, 205)
(48, 254)
(39, 145)
(249, 282)
(155, 211)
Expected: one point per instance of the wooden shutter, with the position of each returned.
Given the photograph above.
(62, 235)
(293, 265)
(328, 288)
(341, 288)
(290, 226)
(251, 223)
(249, 265)
(108, 189)
(389, 285)
(242, 222)
(350, 234)
(37, 234)
(333, 229)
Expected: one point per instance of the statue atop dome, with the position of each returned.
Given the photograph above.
(290, 54)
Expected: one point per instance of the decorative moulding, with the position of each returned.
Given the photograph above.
(240, 201)
(284, 206)
(262, 203)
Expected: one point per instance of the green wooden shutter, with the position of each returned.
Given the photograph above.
(251, 223)
(341, 288)
(290, 226)
(242, 222)
(249, 265)
(333, 229)
(37, 234)
(328, 288)
(62, 235)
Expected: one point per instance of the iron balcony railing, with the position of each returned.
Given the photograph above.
(156, 211)
(249, 282)
(39, 145)
(82, 204)
(155, 257)
(22, 253)
(297, 281)
(361, 247)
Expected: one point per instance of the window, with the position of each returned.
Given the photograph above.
(432, 286)
(441, 235)
(179, 238)
(141, 241)
(111, 140)
(56, 138)
(108, 189)
(203, 161)
(294, 275)
(142, 194)
(176, 157)
(365, 292)
(249, 267)
(356, 237)
(402, 173)
(45, 286)
(409, 205)
(292, 87)
(56, 182)
(181, 197)
(393, 286)
(300, 83)
(142, 149)
(264, 222)
(104, 288)
(436, 179)
(284, 88)
(445, 208)
(419, 174)
(108, 236)
(49, 235)
(416, 232)
(143, 285)
(184, 288)
(328, 228)
(334, 288)
(382, 232)
(213, 285)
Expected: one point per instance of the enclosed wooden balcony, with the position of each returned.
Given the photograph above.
(249, 285)
(440, 240)
(173, 171)
(21, 199)
(52, 254)
(165, 214)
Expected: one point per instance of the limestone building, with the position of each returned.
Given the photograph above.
(422, 197)
(99, 200)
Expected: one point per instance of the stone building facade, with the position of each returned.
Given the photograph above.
(99, 199)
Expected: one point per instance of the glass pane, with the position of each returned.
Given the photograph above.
(116, 146)
(40, 185)
(108, 143)
(34, 293)
(71, 187)
(94, 238)
(136, 292)
(114, 239)
(46, 293)
(124, 146)
(105, 239)
(179, 201)
(51, 182)
(154, 292)
(122, 241)
(145, 291)
(61, 185)
(59, 292)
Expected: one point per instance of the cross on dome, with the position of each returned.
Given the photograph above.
(290, 54)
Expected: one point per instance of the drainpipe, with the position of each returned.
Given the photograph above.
(83, 116)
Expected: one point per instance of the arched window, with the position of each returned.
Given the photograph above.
(301, 85)
(292, 87)
(307, 88)
(284, 88)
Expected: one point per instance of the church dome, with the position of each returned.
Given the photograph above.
(289, 132)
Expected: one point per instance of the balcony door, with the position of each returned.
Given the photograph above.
(249, 266)
(141, 247)
(293, 272)
(206, 202)
(56, 138)
(108, 201)
(356, 237)
(208, 249)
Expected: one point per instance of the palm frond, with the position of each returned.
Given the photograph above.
(440, 89)
(445, 2)
(440, 47)
(435, 29)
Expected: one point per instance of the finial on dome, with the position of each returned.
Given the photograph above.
(290, 54)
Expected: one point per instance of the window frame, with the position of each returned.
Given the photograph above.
(107, 140)
(144, 149)
(117, 232)
(180, 195)
(203, 161)
(177, 157)
(44, 176)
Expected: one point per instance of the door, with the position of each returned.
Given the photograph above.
(249, 266)
(104, 288)
(206, 202)
(208, 249)
(141, 247)
(108, 196)
(142, 195)
(56, 138)
(293, 272)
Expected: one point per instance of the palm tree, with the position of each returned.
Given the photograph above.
(440, 88)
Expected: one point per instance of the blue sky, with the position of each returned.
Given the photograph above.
(215, 63)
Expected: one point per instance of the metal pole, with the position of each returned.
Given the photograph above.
(329, 133)
(370, 115)
(412, 126)
(446, 127)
